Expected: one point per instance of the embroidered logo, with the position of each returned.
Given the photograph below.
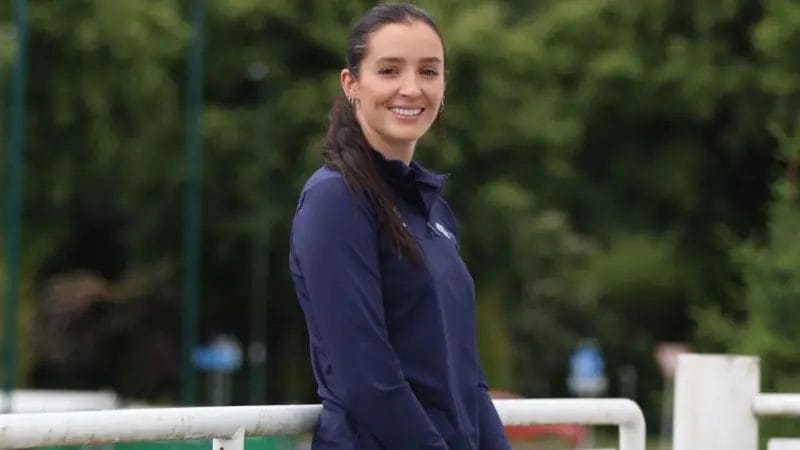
(441, 229)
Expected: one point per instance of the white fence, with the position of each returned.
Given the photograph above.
(717, 405)
(228, 426)
(784, 444)
(718, 402)
(32, 401)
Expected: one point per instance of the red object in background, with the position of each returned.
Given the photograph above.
(574, 434)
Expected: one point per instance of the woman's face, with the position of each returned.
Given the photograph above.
(400, 84)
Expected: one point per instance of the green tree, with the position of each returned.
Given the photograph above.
(606, 159)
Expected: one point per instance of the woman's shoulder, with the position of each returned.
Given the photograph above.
(327, 206)
(325, 182)
(326, 188)
(326, 177)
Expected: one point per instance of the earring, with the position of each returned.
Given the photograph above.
(353, 101)
(441, 106)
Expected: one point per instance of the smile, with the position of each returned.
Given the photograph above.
(407, 112)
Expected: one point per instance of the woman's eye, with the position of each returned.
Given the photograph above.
(430, 72)
(388, 71)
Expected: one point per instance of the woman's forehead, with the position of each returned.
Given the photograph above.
(405, 41)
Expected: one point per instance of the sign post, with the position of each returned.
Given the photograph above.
(587, 374)
(587, 371)
(221, 359)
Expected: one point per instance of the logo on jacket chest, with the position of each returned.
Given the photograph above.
(443, 231)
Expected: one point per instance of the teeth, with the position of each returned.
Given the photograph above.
(407, 112)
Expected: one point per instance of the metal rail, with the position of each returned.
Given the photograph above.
(227, 425)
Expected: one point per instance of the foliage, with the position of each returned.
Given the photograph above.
(609, 159)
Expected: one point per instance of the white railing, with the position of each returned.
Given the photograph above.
(783, 444)
(786, 405)
(718, 402)
(38, 400)
(228, 426)
(625, 414)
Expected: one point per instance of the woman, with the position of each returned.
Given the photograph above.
(388, 302)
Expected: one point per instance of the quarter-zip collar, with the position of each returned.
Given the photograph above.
(411, 181)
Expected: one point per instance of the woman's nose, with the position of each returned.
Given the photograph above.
(409, 85)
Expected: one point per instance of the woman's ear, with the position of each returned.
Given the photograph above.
(349, 84)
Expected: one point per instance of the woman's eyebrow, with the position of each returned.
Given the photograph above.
(432, 59)
(397, 60)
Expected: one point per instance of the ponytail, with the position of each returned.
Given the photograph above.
(346, 150)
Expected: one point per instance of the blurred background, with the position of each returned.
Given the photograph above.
(624, 173)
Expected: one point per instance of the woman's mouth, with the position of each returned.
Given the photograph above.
(407, 113)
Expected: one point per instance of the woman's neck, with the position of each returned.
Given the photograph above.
(402, 151)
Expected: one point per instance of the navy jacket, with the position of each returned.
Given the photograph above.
(393, 344)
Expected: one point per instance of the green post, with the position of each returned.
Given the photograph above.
(191, 231)
(257, 349)
(14, 197)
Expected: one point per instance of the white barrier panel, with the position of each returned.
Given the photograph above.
(713, 403)
(224, 423)
(717, 404)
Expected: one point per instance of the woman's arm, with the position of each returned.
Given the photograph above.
(335, 249)
(492, 433)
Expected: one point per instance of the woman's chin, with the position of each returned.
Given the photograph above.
(407, 133)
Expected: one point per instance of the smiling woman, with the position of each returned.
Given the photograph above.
(374, 254)
(399, 87)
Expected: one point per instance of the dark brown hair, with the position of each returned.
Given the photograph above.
(346, 148)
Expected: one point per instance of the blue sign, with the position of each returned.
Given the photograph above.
(586, 362)
(223, 355)
(586, 371)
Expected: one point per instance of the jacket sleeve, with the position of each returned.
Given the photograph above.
(335, 246)
(491, 431)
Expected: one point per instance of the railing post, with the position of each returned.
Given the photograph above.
(713, 402)
(235, 442)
